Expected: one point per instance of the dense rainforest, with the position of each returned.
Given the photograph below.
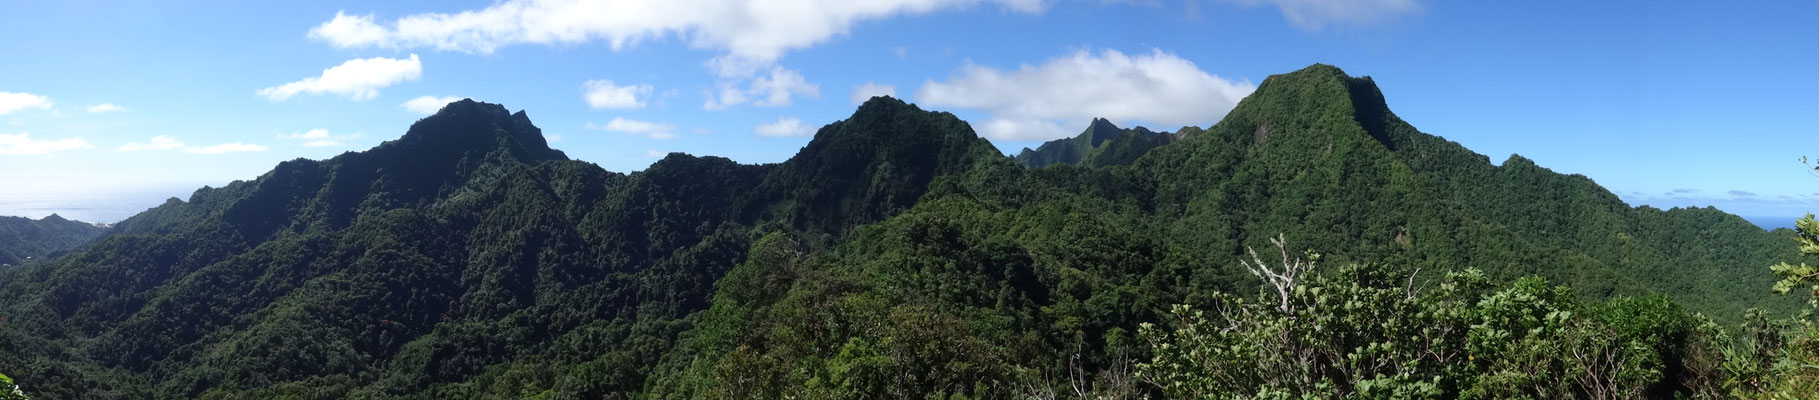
(23, 239)
(1311, 244)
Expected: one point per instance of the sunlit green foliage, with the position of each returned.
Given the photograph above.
(1795, 275)
(1368, 331)
(9, 390)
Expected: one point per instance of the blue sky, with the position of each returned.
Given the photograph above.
(1664, 103)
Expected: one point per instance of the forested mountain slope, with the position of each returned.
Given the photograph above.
(21, 238)
(1101, 144)
(435, 265)
(1011, 281)
(898, 255)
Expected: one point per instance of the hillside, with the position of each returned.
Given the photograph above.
(22, 238)
(1102, 144)
(896, 255)
(1041, 278)
(431, 263)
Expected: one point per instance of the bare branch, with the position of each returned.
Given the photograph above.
(1283, 282)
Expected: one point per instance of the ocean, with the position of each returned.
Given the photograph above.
(97, 208)
(1770, 223)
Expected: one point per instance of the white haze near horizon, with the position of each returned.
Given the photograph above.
(106, 208)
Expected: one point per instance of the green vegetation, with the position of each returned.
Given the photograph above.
(10, 391)
(1794, 275)
(1369, 331)
(899, 255)
(24, 238)
(1101, 145)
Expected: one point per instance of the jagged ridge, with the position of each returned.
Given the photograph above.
(1101, 144)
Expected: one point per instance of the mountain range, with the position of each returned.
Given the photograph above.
(898, 254)
(1102, 144)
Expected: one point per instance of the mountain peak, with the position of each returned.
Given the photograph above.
(1101, 144)
(1288, 102)
(471, 126)
(884, 104)
(470, 105)
(871, 165)
(1102, 130)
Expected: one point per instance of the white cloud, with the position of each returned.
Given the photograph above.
(1028, 129)
(865, 92)
(552, 137)
(654, 130)
(105, 108)
(773, 90)
(656, 153)
(11, 102)
(357, 79)
(321, 138)
(160, 142)
(751, 32)
(163, 143)
(1035, 102)
(1315, 15)
(427, 105)
(351, 31)
(749, 35)
(603, 94)
(784, 127)
(22, 144)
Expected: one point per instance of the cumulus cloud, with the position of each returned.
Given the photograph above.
(1316, 15)
(784, 127)
(1028, 128)
(164, 143)
(752, 32)
(105, 108)
(11, 102)
(1035, 102)
(23, 144)
(773, 90)
(655, 153)
(357, 79)
(603, 94)
(865, 92)
(653, 130)
(321, 138)
(427, 105)
(748, 35)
